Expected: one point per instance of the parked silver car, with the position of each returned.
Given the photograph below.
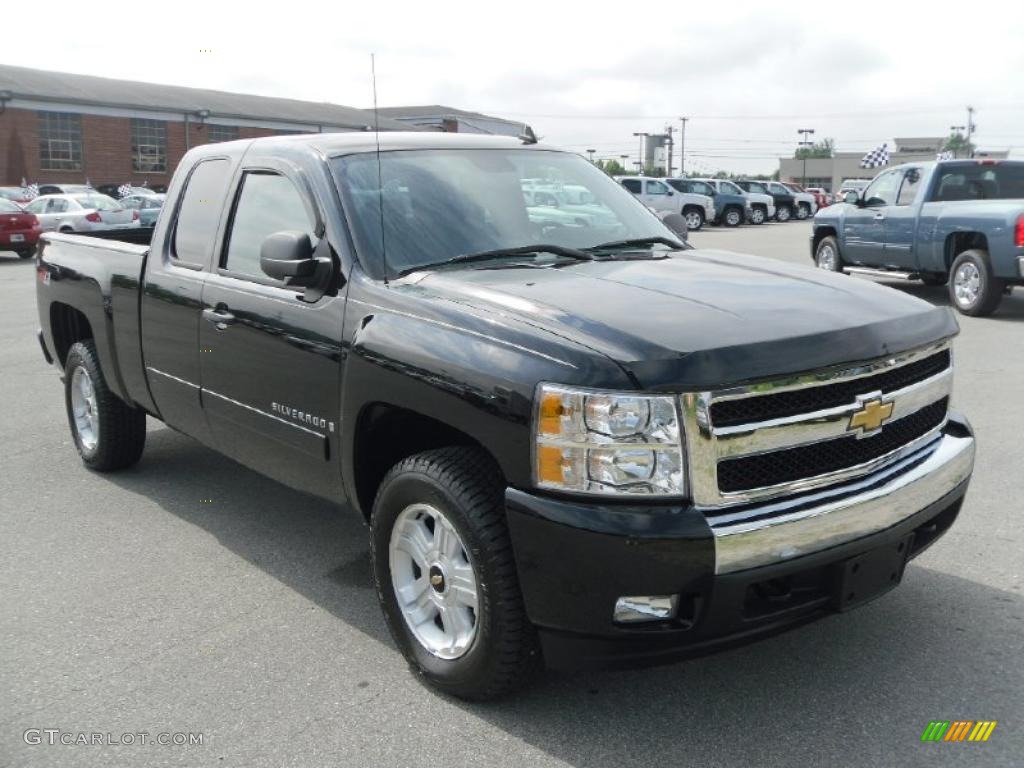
(148, 207)
(82, 212)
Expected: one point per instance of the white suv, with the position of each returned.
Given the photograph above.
(659, 196)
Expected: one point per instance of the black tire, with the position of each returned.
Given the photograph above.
(758, 215)
(694, 218)
(465, 485)
(733, 216)
(803, 211)
(827, 256)
(26, 254)
(934, 280)
(989, 291)
(67, 230)
(121, 435)
(783, 213)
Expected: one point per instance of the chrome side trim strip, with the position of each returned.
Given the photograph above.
(262, 413)
(757, 541)
(792, 431)
(172, 378)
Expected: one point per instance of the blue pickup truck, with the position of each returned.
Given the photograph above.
(957, 222)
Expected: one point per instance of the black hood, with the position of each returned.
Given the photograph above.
(704, 318)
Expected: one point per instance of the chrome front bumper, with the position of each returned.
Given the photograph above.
(777, 532)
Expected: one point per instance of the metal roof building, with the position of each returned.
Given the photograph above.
(436, 117)
(60, 127)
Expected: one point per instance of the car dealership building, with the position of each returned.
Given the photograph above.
(57, 127)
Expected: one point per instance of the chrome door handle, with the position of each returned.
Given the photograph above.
(219, 317)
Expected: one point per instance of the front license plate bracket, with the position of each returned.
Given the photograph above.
(873, 573)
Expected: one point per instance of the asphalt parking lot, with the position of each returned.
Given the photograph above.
(191, 595)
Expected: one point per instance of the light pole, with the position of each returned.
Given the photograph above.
(591, 153)
(970, 130)
(625, 161)
(956, 129)
(806, 143)
(682, 145)
(640, 157)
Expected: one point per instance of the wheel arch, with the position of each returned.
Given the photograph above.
(958, 242)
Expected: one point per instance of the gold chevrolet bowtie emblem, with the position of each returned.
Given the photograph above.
(437, 579)
(871, 416)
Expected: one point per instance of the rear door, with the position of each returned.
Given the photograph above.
(901, 221)
(172, 297)
(864, 225)
(270, 360)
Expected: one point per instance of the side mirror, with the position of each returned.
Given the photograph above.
(851, 197)
(677, 224)
(670, 193)
(287, 254)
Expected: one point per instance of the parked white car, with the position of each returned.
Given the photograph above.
(659, 196)
(762, 207)
(82, 212)
(806, 203)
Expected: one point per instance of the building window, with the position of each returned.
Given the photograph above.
(60, 141)
(149, 146)
(215, 133)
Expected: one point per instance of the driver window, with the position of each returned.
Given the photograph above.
(882, 191)
(267, 203)
(633, 185)
(656, 188)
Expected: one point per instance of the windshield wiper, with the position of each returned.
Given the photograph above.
(497, 253)
(636, 243)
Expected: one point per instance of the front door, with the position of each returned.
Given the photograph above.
(658, 195)
(271, 361)
(864, 225)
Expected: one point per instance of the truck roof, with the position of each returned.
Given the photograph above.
(331, 144)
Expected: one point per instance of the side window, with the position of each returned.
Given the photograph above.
(908, 189)
(656, 188)
(267, 203)
(882, 191)
(57, 205)
(633, 185)
(201, 206)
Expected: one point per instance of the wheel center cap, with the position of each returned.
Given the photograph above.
(437, 579)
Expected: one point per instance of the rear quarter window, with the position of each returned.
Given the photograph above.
(199, 214)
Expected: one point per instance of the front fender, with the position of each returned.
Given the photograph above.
(474, 374)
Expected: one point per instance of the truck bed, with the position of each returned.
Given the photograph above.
(96, 279)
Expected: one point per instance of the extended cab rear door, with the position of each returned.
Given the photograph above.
(271, 359)
(901, 221)
(172, 295)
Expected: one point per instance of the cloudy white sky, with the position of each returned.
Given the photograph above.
(585, 75)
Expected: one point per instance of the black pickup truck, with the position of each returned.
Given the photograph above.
(582, 442)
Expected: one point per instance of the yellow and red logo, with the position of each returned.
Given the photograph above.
(958, 730)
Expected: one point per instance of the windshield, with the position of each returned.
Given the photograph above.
(729, 188)
(440, 204)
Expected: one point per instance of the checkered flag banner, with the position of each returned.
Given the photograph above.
(876, 158)
(947, 155)
(31, 190)
(124, 190)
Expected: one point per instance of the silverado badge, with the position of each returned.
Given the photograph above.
(872, 415)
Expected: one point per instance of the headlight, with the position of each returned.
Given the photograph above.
(587, 441)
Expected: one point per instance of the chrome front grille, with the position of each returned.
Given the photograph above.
(774, 438)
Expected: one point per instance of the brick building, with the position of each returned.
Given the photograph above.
(57, 127)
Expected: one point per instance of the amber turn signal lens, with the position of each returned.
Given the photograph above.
(551, 410)
(549, 464)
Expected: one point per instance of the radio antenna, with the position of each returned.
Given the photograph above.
(380, 175)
